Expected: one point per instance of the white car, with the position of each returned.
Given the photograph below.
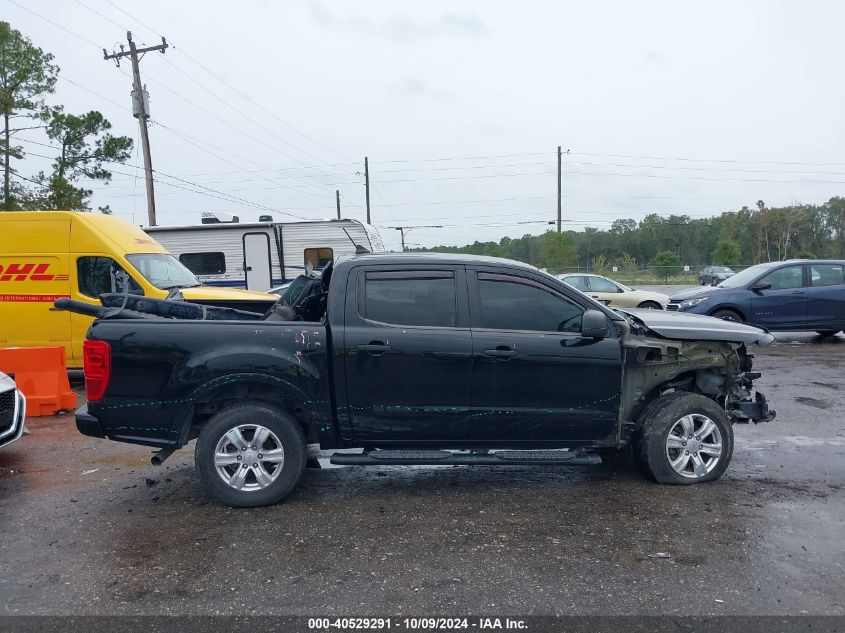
(12, 411)
(614, 294)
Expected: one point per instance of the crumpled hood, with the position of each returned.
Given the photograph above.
(693, 293)
(697, 327)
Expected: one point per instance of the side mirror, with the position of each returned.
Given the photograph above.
(761, 285)
(594, 324)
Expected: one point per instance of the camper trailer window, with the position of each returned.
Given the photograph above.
(100, 275)
(318, 257)
(204, 263)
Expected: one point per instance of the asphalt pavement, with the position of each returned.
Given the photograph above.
(87, 527)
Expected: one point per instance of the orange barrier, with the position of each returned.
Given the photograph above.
(41, 375)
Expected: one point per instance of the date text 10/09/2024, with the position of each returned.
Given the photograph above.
(416, 624)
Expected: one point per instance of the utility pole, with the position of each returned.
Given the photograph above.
(559, 205)
(337, 198)
(142, 115)
(407, 229)
(367, 185)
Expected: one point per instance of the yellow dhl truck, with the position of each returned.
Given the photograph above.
(45, 255)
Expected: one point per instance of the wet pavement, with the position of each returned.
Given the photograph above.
(87, 526)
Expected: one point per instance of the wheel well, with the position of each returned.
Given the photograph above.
(649, 302)
(730, 309)
(681, 382)
(214, 401)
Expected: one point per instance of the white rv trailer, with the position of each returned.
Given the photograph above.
(262, 255)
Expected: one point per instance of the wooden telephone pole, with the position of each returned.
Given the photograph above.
(559, 205)
(367, 185)
(337, 198)
(142, 114)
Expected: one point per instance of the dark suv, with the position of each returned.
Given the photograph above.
(713, 275)
(794, 295)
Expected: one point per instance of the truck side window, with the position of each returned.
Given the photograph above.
(213, 263)
(318, 257)
(99, 275)
(423, 300)
(519, 305)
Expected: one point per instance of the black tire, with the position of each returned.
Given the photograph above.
(654, 426)
(291, 439)
(727, 314)
(650, 305)
(827, 332)
(701, 281)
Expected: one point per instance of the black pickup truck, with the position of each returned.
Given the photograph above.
(422, 359)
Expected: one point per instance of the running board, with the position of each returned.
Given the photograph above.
(448, 458)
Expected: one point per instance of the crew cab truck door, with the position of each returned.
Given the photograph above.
(408, 355)
(535, 379)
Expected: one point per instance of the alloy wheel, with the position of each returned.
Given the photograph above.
(249, 457)
(694, 446)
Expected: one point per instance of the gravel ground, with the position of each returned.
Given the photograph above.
(87, 526)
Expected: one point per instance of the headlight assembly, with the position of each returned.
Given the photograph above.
(689, 303)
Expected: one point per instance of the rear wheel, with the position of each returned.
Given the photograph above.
(650, 305)
(250, 454)
(727, 315)
(683, 438)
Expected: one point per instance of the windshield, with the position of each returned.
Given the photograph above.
(163, 270)
(745, 277)
(721, 269)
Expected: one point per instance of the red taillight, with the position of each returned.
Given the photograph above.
(96, 367)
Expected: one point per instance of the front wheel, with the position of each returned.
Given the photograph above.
(683, 438)
(250, 454)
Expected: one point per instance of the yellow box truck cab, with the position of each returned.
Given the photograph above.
(45, 255)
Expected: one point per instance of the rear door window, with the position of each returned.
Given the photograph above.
(826, 275)
(424, 298)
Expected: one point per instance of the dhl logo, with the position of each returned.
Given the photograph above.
(32, 272)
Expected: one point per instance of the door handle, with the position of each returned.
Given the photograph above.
(502, 351)
(374, 348)
(798, 292)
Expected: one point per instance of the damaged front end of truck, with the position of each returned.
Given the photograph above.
(668, 352)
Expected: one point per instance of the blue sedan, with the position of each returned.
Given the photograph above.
(795, 295)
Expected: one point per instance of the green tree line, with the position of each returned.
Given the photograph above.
(746, 236)
(80, 145)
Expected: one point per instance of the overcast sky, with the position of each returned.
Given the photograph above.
(460, 107)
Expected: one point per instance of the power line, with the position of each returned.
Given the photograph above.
(714, 160)
(58, 26)
(236, 90)
(709, 169)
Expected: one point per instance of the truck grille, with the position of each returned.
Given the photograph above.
(7, 409)
(672, 306)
